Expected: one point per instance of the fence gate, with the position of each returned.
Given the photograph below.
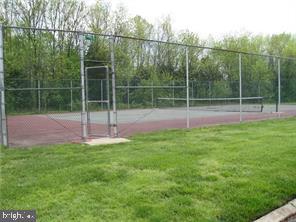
(98, 101)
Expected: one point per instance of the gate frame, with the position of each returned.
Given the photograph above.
(87, 101)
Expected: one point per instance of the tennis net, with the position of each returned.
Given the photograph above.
(249, 104)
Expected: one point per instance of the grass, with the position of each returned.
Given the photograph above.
(223, 173)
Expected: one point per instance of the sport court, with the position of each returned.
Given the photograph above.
(28, 130)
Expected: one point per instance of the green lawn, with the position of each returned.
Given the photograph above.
(224, 173)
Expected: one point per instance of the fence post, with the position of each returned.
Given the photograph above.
(128, 95)
(210, 89)
(192, 89)
(114, 124)
(71, 96)
(39, 96)
(187, 90)
(279, 87)
(102, 91)
(82, 77)
(108, 99)
(173, 92)
(4, 136)
(152, 93)
(240, 87)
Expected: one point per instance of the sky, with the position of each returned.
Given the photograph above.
(217, 18)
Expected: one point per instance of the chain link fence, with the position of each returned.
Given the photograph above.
(50, 96)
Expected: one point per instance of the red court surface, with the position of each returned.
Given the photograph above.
(33, 130)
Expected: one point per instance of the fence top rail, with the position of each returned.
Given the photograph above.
(114, 36)
(149, 87)
(42, 88)
(41, 79)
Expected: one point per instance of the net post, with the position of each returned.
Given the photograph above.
(279, 86)
(82, 78)
(187, 90)
(4, 135)
(240, 87)
(114, 124)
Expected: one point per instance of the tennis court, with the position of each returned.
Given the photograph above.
(117, 90)
(28, 130)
